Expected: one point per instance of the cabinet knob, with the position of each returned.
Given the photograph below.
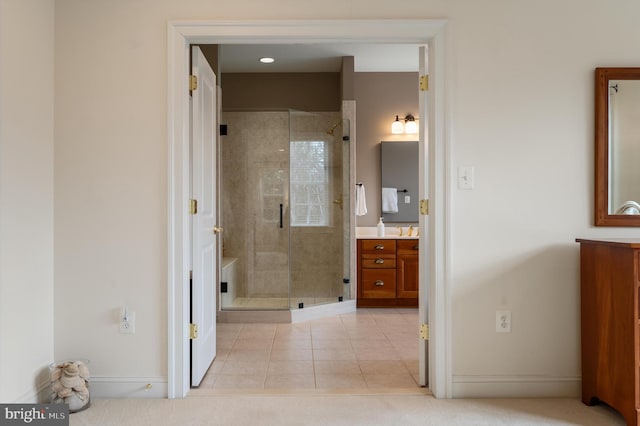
(379, 261)
(379, 283)
(379, 247)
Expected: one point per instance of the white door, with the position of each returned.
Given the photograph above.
(204, 257)
(423, 189)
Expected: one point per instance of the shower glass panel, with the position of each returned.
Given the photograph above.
(285, 210)
(319, 209)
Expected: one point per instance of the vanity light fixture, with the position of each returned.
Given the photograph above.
(409, 126)
(267, 60)
(397, 127)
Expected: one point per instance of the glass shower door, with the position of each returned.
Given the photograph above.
(255, 167)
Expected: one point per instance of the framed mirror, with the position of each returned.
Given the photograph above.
(399, 181)
(617, 147)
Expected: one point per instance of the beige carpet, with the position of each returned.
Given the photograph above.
(324, 408)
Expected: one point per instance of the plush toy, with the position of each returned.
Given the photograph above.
(70, 384)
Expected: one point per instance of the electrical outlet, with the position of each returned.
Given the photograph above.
(503, 321)
(127, 321)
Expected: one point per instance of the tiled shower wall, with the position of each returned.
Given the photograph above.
(255, 180)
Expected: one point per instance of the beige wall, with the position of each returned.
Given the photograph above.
(26, 197)
(379, 98)
(519, 99)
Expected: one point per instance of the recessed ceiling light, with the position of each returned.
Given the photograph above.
(267, 60)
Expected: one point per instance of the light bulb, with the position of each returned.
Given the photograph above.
(397, 127)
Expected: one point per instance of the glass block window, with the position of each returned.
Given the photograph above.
(309, 183)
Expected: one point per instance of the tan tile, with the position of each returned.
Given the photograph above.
(224, 343)
(207, 382)
(216, 367)
(238, 382)
(324, 322)
(297, 327)
(336, 367)
(329, 333)
(331, 344)
(402, 336)
(292, 355)
(413, 366)
(369, 333)
(376, 354)
(221, 354)
(290, 367)
(333, 354)
(407, 353)
(368, 344)
(351, 320)
(290, 381)
(383, 367)
(340, 381)
(253, 343)
(244, 368)
(289, 343)
(228, 329)
(293, 332)
(249, 355)
(258, 331)
(390, 381)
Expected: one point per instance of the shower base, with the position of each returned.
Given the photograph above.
(248, 314)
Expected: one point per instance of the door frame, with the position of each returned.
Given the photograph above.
(430, 32)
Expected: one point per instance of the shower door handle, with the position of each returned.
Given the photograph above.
(281, 224)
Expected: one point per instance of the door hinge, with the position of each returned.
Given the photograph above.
(193, 206)
(424, 83)
(424, 331)
(193, 82)
(424, 207)
(193, 331)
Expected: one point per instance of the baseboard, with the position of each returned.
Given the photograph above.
(128, 387)
(516, 386)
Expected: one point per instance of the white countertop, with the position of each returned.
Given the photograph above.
(390, 232)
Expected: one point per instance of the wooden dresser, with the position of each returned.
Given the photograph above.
(387, 273)
(610, 324)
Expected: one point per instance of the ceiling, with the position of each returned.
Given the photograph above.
(319, 57)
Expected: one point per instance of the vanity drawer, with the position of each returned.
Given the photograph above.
(408, 246)
(372, 261)
(380, 283)
(378, 246)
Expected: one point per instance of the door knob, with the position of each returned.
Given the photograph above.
(217, 230)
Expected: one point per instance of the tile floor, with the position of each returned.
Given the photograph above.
(367, 349)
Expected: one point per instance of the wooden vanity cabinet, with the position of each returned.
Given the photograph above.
(610, 324)
(387, 273)
(407, 269)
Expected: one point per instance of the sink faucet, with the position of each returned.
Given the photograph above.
(410, 231)
(400, 230)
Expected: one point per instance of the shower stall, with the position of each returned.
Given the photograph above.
(285, 209)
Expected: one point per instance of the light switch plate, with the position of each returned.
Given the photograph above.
(465, 177)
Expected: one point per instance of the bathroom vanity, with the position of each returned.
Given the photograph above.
(609, 284)
(387, 271)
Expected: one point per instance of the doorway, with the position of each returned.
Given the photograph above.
(434, 304)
